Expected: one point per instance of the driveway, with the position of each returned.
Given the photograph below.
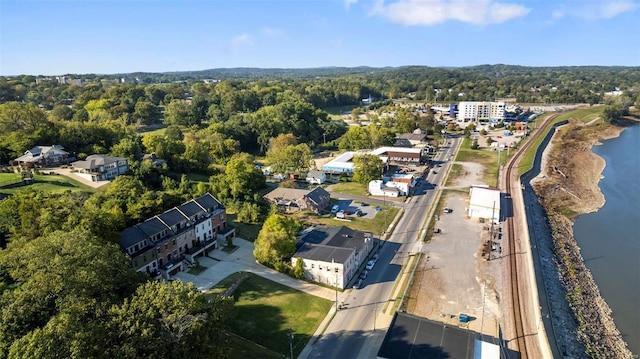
(221, 264)
(67, 173)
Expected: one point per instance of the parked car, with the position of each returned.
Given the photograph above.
(447, 210)
(364, 204)
(358, 284)
(363, 274)
(335, 208)
(340, 214)
(348, 212)
(359, 213)
(375, 257)
(370, 265)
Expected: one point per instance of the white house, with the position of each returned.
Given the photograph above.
(484, 203)
(333, 255)
(316, 177)
(378, 188)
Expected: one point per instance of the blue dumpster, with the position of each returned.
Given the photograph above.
(463, 318)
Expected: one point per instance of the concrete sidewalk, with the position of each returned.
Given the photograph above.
(221, 264)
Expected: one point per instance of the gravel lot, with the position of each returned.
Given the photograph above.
(453, 278)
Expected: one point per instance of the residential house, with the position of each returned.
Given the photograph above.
(333, 255)
(316, 177)
(101, 167)
(162, 245)
(157, 162)
(315, 200)
(43, 156)
(416, 138)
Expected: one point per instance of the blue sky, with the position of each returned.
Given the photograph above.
(58, 37)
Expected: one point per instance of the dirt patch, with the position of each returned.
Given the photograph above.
(471, 174)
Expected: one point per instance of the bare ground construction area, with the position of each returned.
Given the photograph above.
(452, 278)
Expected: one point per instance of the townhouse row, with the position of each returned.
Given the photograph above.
(170, 242)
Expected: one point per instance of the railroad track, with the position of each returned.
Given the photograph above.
(512, 180)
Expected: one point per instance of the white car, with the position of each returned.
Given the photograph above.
(370, 265)
(335, 208)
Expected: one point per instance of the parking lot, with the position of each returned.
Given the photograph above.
(367, 210)
(452, 278)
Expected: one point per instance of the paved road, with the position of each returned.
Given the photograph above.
(358, 330)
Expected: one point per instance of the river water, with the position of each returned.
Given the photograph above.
(609, 239)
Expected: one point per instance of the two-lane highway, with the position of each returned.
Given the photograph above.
(358, 321)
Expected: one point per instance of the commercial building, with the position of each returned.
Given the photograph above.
(333, 255)
(474, 112)
(484, 203)
(343, 164)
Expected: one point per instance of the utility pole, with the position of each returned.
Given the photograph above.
(291, 341)
(336, 291)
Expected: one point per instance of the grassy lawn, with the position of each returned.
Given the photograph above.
(584, 115)
(242, 348)
(159, 132)
(197, 177)
(352, 188)
(46, 183)
(243, 230)
(265, 311)
(9, 177)
(335, 113)
(489, 159)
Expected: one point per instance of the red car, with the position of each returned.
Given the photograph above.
(348, 212)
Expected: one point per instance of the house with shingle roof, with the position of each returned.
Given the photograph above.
(315, 200)
(97, 168)
(43, 156)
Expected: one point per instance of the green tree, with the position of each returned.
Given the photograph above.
(170, 320)
(355, 138)
(276, 240)
(367, 168)
(63, 273)
(146, 112)
(177, 112)
(298, 269)
(242, 178)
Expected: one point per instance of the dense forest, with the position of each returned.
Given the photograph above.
(66, 289)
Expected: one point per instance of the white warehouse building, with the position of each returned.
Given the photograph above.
(484, 203)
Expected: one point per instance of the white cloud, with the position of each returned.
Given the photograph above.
(348, 3)
(594, 10)
(272, 32)
(557, 14)
(432, 12)
(240, 41)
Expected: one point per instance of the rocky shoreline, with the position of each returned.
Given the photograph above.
(565, 190)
